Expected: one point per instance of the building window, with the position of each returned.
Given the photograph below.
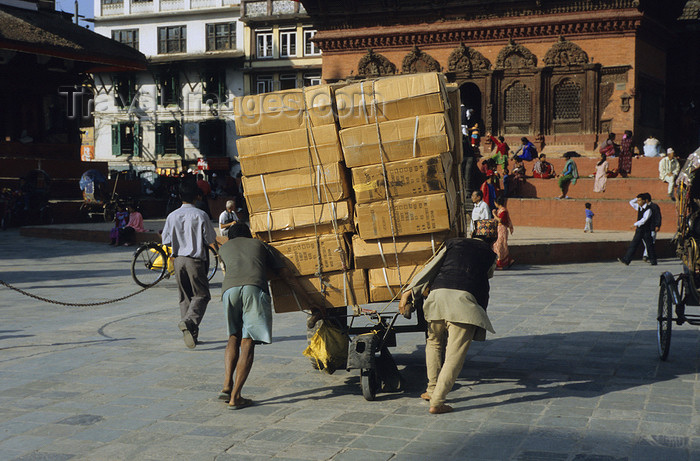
(172, 39)
(214, 87)
(221, 36)
(112, 2)
(127, 37)
(517, 104)
(124, 139)
(263, 84)
(169, 88)
(212, 138)
(288, 81)
(567, 101)
(124, 90)
(169, 138)
(288, 43)
(310, 48)
(312, 79)
(263, 40)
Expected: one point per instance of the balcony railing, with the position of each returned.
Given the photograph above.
(111, 9)
(171, 5)
(205, 3)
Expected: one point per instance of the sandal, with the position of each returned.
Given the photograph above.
(242, 403)
(425, 396)
(440, 410)
(225, 395)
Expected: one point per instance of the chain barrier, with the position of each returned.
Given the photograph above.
(62, 303)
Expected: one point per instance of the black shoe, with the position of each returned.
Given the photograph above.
(653, 263)
(623, 261)
(187, 335)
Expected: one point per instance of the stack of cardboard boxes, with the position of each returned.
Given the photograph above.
(295, 154)
(398, 139)
(298, 191)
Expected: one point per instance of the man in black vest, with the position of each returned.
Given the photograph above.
(643, 227)
(656, 224)
(458, 283)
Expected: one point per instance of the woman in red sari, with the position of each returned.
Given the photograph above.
(500, 247)
(624, 166)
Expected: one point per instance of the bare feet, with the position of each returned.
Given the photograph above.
(425, 396)
(440, 409)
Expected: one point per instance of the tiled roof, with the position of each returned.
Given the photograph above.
(49, 33)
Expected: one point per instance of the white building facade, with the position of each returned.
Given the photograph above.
(179, 112)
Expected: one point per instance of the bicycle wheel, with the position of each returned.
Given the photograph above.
(149, 265)
(664, 320)
(212, 262)
(110, 209)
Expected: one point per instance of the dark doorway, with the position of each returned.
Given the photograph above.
(471, 97)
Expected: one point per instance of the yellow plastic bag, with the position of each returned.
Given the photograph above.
(328, 348)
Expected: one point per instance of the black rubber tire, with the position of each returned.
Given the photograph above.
(212, 262)
(142, 265)
(110, 210)
(369, 383)
(664, 320)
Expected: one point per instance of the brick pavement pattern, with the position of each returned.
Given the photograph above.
(572, 374)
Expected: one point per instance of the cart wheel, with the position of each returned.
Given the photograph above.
(664, 320)
(149, 265)
(369, 383)
(388, 372)
(212, 262)
(110, 209)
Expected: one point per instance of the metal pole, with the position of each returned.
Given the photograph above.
(76, 12)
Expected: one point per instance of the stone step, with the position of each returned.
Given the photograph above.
(609, 214)
(616, 189)
(643, 167)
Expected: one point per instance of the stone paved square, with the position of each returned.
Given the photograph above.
(572, 374)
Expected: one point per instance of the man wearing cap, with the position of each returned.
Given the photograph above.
(669, 167)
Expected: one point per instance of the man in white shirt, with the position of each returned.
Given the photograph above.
(188, 230)
(481, 208)
(669, 167)
(228, 217)
(643, 227)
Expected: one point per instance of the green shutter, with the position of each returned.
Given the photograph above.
(160, 144)
(137, 140)
(180, 139)
(222, 88)
(116, 140)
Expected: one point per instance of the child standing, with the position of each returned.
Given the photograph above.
(589, 219)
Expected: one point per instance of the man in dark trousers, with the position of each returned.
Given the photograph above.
(188, 230)
(656, 218)
(247, 306)
(458, 282)
(643, 227)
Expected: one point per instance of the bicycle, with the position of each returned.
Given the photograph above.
(152, 262)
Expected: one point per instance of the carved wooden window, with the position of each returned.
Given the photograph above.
(567, 101)
(518, 106)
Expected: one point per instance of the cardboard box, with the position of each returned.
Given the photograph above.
(385, 284)
(341, 289)
(406, 178)
(288, 150)
(293, 188)
(299, 222)
(413, 250)
(302, 255)
(283, 110)
(455, 116)
(411, 216)
(396, 97)
(402, 139)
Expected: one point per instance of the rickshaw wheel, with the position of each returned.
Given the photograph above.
(110, 210)
(664, 319)
(149, 265)
(369, 382)
(212, 262)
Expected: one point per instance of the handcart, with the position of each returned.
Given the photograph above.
(95, 200)
(676, 292)
(368, 350)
